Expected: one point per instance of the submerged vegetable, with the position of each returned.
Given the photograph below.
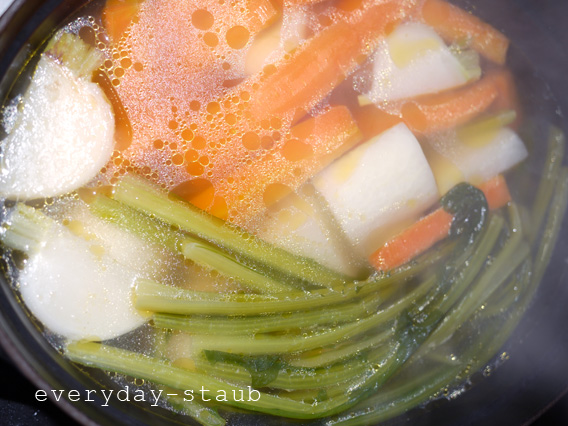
(71, 278)
(271, 207)
(63, 134)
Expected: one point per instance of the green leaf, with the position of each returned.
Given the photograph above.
(263, 369)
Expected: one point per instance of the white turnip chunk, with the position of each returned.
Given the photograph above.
(302, 225)
(475, 157)
(394, 165)
(71, 280)
(62, 136)
(414, 61)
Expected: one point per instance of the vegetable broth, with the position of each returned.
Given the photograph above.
(203, 142)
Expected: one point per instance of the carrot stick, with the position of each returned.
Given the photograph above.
(117, 16)
(413, 241)
(326, 59)
(373, 121)
(496, 192)
(312, 145)
(445, 110)
(457, 25)
(431, 229)
(508, 99)
(261, 14)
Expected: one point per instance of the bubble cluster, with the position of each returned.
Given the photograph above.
(178, 76)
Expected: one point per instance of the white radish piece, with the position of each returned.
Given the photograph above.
(300, 224)
(394, 165)
(71, 282)
(62, 136)
(474, 157)
(413, 60)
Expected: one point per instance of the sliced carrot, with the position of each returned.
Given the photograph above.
(373, 121)
(172, 75)
(449, 109)
(457, 25)
(413, 241)
(496, 192)
(118, 15)
(508, 99)
(431, 229)
(261, 14)
(311, 146)
(319, 65)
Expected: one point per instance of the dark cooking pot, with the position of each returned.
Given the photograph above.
(536, 373)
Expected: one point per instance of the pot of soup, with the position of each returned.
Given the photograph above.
(339, 212)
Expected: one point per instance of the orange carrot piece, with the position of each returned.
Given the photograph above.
(431, 229)
(180, 78)
(445, 110)
(496, 192)
(117, 16)
(312, 145)
(373, 121)
(412, 241)
(457, 25)
(508, 99)
(319, 65)
(261, 14)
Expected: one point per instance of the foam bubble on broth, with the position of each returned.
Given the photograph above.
(194, 121)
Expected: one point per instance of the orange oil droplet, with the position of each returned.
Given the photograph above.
(210, 39)
(195, 169)
(126, 63)
(187, 135)
(191, 156)
(325, 20)
(237, 37)
(202, 19)
(177, 159)
(266, 142)
(198, 142)
(195, 105)
(231, 119)
(251, 141)
(213, 107)
(269, 69)
(87, 34)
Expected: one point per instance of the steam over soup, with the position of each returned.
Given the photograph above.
(312, 203)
